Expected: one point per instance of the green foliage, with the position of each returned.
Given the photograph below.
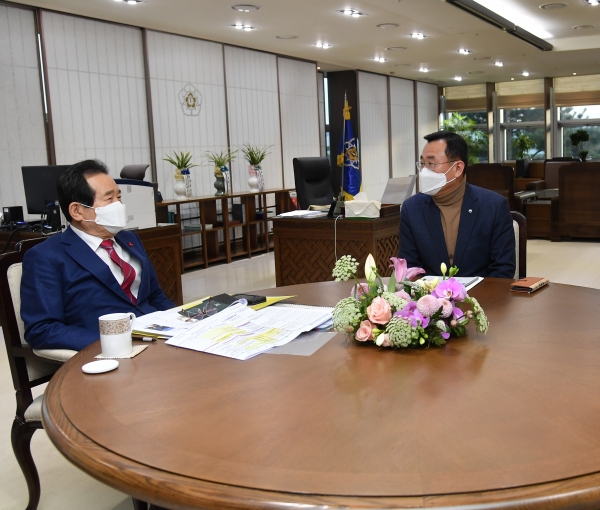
(578, 138)
(180, 160)
(466, 128)
(255, 155)
(522, 143)
(220, 159)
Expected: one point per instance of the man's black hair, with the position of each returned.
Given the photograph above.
(72, 185)
(456, 147)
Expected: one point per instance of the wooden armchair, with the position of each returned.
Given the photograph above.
(495, 177)
(576, 209)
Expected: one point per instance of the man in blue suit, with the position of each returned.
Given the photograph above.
(93, 268)
(452, 221)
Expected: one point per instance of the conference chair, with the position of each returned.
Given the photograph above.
(551, 167)
(495, 177)
(136, 172)
(520, 228)
(29, 367)
(313, 181)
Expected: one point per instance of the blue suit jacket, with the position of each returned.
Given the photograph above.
(65, 288)
(485, 245)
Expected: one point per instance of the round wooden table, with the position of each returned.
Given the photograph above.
(510, 419)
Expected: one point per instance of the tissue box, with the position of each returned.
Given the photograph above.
(362, 209)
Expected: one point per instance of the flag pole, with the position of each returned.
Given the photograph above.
(341, 197)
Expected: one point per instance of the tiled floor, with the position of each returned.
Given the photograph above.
(65, 487)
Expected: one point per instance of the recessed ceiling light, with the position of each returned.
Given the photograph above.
(352, 12)
(418, 35)
(246, 28)
(574, 74)
(482, 58)
(130, 2)
(245, 8)
(499, 64)
(512, 79)
(458, 78)
(287, 37)
(584, 27)
(424, 70)
(379, 59)
(464, 51)
(555, 5)
(592, 2)
(388, 25)
(525, 73)
(394, 48)
(323, 45)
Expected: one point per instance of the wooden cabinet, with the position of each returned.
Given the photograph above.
(217, 229)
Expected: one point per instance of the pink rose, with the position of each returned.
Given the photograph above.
(365, 332)
(402, 294)
(379, 311)
(384, 340)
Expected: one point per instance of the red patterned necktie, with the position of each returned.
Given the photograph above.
(128, 271)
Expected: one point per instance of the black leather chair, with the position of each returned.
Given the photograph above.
(136, 172)
(313, 181)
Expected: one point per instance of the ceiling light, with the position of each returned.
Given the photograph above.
(525, 73)
(246, 28)
(489, 16)
(556, 5)
(388, 25)
(287, 37)
(130, 2)
(584, 27)
(424, 70)
(418, 35)
(574, 74)
(592, 2)
(323, 45)
(512, 79)
(318, 68)
(499, 64)
(352, 12)
(394, 48)
(245, 8)
(458, 78)
(379, 59)
(464, 51)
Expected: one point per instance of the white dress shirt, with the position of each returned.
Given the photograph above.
(94, 243)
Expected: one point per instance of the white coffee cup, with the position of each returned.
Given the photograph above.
(115, 334)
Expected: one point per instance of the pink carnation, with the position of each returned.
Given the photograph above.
(360, 289)
(402, 294)
(365, 332)
(447, 307)
(379, 311)
(428, 305)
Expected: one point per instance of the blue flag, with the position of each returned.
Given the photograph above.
(348, 159)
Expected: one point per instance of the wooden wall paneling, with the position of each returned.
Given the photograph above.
(97, 88)
(22, 131)
(253, 106)
(299, 113)
(373, 104)
(402, 127)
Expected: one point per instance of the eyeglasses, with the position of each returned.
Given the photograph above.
(430, 165)
(198, 313)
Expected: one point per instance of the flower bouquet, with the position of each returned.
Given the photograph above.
(405, 313)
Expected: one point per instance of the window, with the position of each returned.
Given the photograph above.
(572, 118)
(520, 122)
(481, 154)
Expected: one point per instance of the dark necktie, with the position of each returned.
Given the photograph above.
(128, 271)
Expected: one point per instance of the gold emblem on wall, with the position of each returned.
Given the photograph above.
(190, 100)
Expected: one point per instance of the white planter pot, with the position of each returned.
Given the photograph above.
(253, 183)
(180, 189)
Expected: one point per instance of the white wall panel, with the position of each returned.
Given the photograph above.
(175, 62)
(322, 128)
(374, 147)
(402, 104)
(299, 113)
(97, 91)
(22, 136)
(253, 105)
(427, 110)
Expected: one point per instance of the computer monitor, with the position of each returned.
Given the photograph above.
(40, 186)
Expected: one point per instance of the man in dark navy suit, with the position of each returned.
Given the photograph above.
(93, 268)
(452, 221)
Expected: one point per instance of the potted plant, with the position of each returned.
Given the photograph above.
(183, 182)
(467, 129)
(578, 138)
(220, 160)
(255, 156)
(522, 144)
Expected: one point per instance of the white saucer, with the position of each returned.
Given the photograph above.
(100, 366)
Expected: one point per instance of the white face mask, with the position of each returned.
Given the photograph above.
(431, 182)
(113, 217)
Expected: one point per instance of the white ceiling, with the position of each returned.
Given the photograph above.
(356, 41)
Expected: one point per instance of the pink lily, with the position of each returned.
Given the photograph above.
(402, 272)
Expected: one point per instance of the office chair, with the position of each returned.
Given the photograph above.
(520, 228)
(136, 172)
(495, 177)
(313, 181)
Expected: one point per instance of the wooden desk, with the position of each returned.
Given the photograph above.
(305, 248)
(163, 246)
(508, 419)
